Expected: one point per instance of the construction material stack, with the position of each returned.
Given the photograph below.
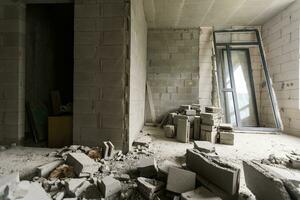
(226, 134)
(210, 120)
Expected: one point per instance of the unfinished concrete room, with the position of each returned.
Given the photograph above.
(149, 99)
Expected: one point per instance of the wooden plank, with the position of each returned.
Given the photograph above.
(151, 104)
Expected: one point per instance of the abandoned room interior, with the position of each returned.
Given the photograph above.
(150, 99)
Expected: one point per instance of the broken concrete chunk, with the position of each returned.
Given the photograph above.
(105, 150)
(147, 167)
(169, 131)
(45, 170)
(148, 187)
(223, 175)
(180, 180)
(109, 186)
(209, 128)
(210, 136)
(183, 130)
(199, 193)
(263, 184)
(204, 146)
(82, 164)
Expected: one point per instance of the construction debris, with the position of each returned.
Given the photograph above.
(263, 184)
(223, 175)
(82, 164)
(109, 186)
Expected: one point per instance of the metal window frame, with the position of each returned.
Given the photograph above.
(258, 43)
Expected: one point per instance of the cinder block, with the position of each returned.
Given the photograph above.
(183, 130)
(109, 186)
(227, 138)
(82, 164)
(180, 180)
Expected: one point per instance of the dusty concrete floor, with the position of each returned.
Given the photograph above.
(247, 147)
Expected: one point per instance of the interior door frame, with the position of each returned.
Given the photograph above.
(228, 51)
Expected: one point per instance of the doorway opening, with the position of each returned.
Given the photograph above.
(245, 88)
(49, 74)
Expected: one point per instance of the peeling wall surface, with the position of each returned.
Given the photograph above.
(138, 67)
(281, 42)
(12, 71)
(173, 68)
(99, 77)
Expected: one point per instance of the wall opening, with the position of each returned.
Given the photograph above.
(49, 73)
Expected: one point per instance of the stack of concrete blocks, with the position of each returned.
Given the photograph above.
(210, 121)
(226, 134)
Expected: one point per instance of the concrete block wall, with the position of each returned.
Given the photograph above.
(281, 41)
(100, 81)
(173, 68)
(138, 68)
(12, 71)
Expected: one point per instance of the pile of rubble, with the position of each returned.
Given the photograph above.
(189, 123)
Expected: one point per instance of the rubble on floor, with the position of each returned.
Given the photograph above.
(81, 172)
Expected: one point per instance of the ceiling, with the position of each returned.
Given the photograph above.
(195, 13)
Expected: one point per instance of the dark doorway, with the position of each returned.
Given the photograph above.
(49, 65)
